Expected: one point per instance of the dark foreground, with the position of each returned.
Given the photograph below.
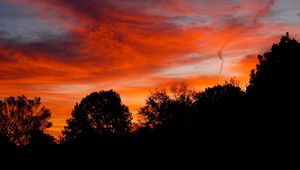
(216, 153)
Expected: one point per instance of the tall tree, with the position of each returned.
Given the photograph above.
(98, 114)
(273, 90)
(276, 70)
(20, 118)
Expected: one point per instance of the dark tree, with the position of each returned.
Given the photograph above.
(276, 71)
(273, 89)
(168, 112)
(20, 118)
(218, 110)
(99, 114)
(156, 108)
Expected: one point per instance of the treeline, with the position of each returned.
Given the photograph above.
(176, 123)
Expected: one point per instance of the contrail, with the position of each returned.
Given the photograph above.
(260, 13)
(220, 55)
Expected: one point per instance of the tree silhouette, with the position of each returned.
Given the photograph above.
(275, 70)
(98, 114)
(168, 114)
(156, 109)
(218, 110)
(20, 118)
(273, 90)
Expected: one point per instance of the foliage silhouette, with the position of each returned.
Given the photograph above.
(155, 110)
(218, 110)
(168, 107)
(100, 114)
(41, 138)
(20, 118)
(271, 92)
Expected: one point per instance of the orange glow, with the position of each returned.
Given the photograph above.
(131, 47)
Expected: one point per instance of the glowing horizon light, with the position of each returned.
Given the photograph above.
(62, 50)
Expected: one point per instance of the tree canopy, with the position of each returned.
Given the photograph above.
(273, 89)
(98, 114)
(167, 114)
(277, 68)
(168, 106)
(218, 109)
(20, 118)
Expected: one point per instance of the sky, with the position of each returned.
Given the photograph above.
(62, 50)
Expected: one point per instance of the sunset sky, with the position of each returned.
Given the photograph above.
(61, 50)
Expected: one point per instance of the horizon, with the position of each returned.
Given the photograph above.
(62, 51)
